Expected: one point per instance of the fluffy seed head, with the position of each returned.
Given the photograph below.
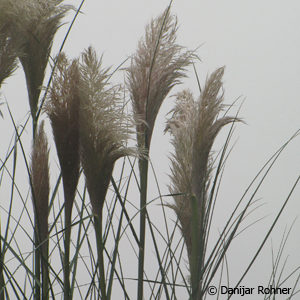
(62, 108)
(104, 127)
(158, 65)
(40, 181)
(8, 55)
(33, 24)
(194, 127)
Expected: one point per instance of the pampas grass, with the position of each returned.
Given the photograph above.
(103, 130)
(194, 127)
(63, 110)
(104, 133)
(8, 55)
(32, 26)
(104, 127)
(157, 66)
(40, 181)
(40, 197)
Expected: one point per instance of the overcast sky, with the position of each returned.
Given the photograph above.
(259, 43)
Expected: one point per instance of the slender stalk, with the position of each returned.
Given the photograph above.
(100, 252)
(104, 132)
(45, 268)
(37, 265)
(67, 241)
(194, 264)
(3, 250)
(143, 164)
(40, 196)
(157, 66)
(268, 233)
(2, 282)
(36, 252)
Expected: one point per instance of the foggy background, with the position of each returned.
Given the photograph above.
(259, 43)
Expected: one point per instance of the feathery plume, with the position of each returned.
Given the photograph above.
(104, 127)
(8, 55)
(62, 108)
(33, 26)
(158, 65)
(40, 181)
(181, 129)
(40, 195)
(194, 127)
(103, 136)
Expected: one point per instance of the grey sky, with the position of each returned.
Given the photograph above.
(259, 42)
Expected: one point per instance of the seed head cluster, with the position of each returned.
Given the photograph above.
(157, 66)
(31, 26)
(62, 108)
(40, 181)
(104, 127)
(194, 126)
